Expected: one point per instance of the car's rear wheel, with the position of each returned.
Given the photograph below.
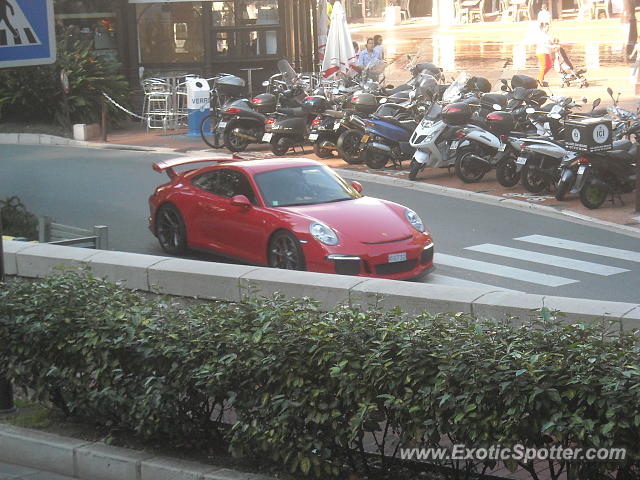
(170, 230)
(285, 252)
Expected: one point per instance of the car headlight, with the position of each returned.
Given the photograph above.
(323, 233)
(414, 219)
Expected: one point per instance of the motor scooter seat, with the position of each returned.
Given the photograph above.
(334, 113)
(408, 125)
(619, 156)
(622, 144)
(292, 112)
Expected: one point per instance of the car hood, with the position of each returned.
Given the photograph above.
(367, 220)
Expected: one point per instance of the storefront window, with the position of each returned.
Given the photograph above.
(170, 32)
(92, 21)
(232, 25)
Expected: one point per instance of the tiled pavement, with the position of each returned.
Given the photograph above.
(9, 471)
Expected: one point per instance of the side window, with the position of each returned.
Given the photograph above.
(239, 185)
(225, 183)
(208, 181)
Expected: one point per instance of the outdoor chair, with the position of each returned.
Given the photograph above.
(156, 108)
(600, 6)
(405, 13)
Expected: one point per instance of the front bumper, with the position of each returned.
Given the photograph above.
(395, 260)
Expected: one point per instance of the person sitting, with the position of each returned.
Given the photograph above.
(377, 40)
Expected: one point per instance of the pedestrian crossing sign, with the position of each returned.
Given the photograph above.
(27, 33)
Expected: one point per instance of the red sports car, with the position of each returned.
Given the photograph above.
(287, 213)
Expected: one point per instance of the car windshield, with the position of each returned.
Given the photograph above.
(307, 185)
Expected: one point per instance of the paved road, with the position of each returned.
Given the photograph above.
(476, 242)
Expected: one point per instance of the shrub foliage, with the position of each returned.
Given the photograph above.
(17, 221)
(35, 93)
(308, 388)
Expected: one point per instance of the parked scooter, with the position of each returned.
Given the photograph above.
(435, 133)
(289, 127)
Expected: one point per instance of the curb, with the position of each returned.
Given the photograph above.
(208, 280)
(563, 214)
(97, 461)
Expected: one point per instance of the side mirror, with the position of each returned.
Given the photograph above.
(584, 100)
(504, 81)
(240, 201)
(596, 102)
(357, 186)
(609, 91)
(504, 88)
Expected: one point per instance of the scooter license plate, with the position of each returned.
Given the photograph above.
(502, 147)
(267, 137)
(581, 169)
(313, 137)
(521, 160)
(365, 138)
(221, 126)
(397, 257)
(454, 145)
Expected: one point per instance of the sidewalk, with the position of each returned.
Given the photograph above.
(9, 471)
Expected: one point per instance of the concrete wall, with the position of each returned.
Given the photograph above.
(210, 280)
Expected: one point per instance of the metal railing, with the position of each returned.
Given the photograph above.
(59, 234)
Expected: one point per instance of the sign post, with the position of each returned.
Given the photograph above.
(27, 33)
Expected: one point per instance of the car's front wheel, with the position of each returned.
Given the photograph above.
(285, 252)
(170, 230)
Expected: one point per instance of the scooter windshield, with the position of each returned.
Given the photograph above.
(454, 91)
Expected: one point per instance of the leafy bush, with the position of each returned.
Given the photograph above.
(35, 93)
(16, 220)
(309, 388)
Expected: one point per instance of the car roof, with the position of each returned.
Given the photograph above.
(258, 166)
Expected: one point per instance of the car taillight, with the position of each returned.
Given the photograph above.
(270, 121)
(316, 122)
(232, 110)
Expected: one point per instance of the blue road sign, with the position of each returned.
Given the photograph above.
(27, 33)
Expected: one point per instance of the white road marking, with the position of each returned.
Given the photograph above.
(437, 279)
(553, 260)
(502, 270)
(628, 255)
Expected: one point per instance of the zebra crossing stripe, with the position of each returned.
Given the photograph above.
(603, 251)
(437, 279)
(553, 260)
(502, 270)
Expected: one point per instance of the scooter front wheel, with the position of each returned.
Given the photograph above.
(280, 145)
(233, 142)
(532, 180)
(321, 152)
(414, 169)
(507, 173)
(376, 160)
(593, 194)
(468, 169)
(348, 146)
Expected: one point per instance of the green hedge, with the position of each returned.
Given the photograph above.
(307, 386)
(17, 221)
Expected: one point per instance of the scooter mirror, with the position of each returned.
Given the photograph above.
(504, 81)
(530, 110)
(497, 107)
(584, 100)
(504, 88)
(609, 91)
(596, 102)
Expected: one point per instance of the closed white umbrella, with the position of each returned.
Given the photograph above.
(339, 55)
(323, 27)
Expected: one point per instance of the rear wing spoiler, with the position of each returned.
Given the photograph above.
(169, 164)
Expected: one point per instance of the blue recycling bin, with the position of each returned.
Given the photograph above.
(198, 104)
